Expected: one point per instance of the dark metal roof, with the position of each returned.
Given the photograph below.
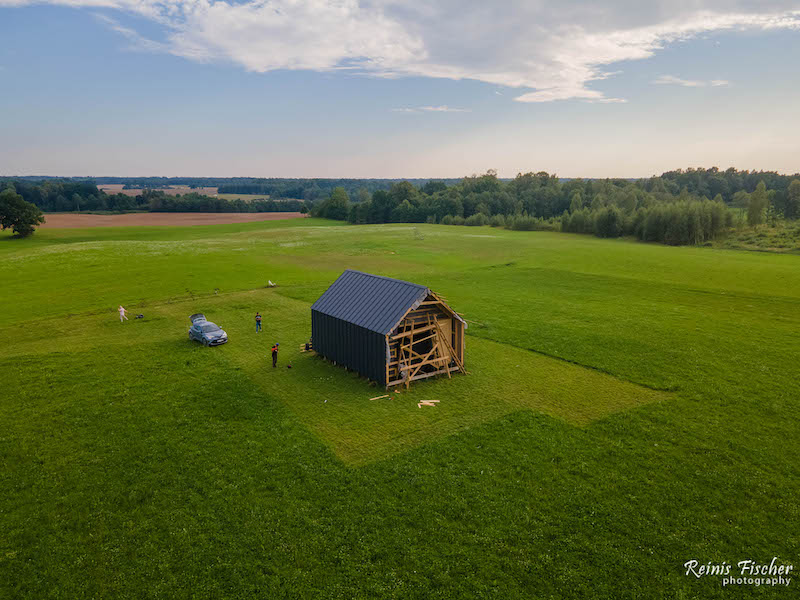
(370, 301)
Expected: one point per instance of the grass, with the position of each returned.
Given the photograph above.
(246, 197)
(629, 407)
(781, 237)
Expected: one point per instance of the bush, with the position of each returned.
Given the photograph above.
(608, 222)
(458, 220)
(497, 221)
(446, 220)
(579, 221)
(477, 220)
(526, 223)
(431, 219)
(521, 223)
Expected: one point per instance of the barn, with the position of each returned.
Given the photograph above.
(390, 331)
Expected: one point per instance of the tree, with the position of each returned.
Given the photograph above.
(576, 202)
(757, 207)
(598, 202)
(741, 199)
(793, 200)
(432, 187)
(337, 206)
(608, 222)
(16, 214)
(628, 201)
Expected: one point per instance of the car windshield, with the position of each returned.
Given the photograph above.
(209, 328)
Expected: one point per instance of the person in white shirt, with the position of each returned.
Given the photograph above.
(122, 313)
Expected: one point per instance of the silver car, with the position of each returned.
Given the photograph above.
(206, 332)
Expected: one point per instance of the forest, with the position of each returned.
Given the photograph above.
(68, 195)
(679, 207)
(278, 188)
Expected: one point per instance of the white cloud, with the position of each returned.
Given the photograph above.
(672, 80)
(138, 42)
(548, 51)
(437, 109)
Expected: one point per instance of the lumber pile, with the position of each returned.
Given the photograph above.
(422, 403)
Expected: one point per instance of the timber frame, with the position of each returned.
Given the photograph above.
(427, 342)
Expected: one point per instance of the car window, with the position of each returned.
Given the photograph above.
(209, 328)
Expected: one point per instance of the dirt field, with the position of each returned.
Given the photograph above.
(67, 220)
(116, 188)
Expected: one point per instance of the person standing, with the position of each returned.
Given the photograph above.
(275, 355)
(258, 322)
(122, 313)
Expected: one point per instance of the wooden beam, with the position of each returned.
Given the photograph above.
(410, 332)
(447, 343)
(415, 342)
(432, 361)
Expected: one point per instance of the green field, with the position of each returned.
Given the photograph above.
(629, 407)
(251, 197)
(247, 197)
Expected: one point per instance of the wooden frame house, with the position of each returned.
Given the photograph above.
(390, 331)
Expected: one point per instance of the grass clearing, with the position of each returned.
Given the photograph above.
(335, 405)
(652, 418)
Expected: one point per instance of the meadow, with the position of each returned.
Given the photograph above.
(245, 197)
(629, 407)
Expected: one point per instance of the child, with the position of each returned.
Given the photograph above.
(122, 314)
(258, 322)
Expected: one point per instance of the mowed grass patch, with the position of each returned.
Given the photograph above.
(335, 404)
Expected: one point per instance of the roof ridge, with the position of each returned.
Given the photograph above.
(417, 285)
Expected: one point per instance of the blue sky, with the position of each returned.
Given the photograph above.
(309, 88)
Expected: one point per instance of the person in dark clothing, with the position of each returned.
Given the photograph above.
(275, 355)
(258, 322)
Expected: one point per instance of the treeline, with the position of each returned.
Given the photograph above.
(315, 189)
(712, 182)
(651, 209)
(160, 202)
(65, 195)
(310, 190)
(684, 222)
(53, 195)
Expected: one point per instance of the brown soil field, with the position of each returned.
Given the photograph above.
(67, 220)
(116, 188)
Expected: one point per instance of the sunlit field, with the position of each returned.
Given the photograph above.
(628, 407)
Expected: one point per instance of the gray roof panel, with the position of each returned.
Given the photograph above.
(369, 301)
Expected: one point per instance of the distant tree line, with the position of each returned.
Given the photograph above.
(656, 209)
(679, 207)
(55, 195)
(313, 189)
(158, 201)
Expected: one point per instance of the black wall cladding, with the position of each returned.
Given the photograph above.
(350, 345)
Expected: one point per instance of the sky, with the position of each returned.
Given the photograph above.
(397, 88)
